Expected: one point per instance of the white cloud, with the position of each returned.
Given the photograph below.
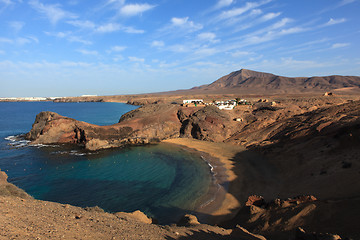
(53, 12)
(135, 9)
(185, 24)
(179, 48)
(335, 21)
(58, 34)
(117, 48)
(34, 39)
(79, 40)
(136, 59)
(114, 27)
(238, 11)
(16, 25)
(69, 37)
(223, 3)
(20, 40)
(88, 52)
(280, 23)
(269, 16)
(82, 24)
(208, 36)
(109, 27)
(179, 21)
(132, 30)
(340, 45)
(157, 44)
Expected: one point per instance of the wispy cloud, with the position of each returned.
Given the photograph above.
(16, 25)
(132, 30)
(53, 12)
(5, 40)
(185, 23)
(69, 37)
(79, 40)
(241, 10)
(82, 24)
(109, 27)
(130, 10)
(88, 52)
(337, 5)
(269, 16)
(136, 59)
(333, 21)
(157, 44)
(208, 37)
(116, 49)
(20, 40)
(340, 45)
(223, 3)
(345, 2)
(237, 54)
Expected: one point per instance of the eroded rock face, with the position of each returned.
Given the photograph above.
(150, 123)
(51, 128)
(208, 123)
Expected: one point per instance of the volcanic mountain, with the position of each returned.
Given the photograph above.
(251, 82)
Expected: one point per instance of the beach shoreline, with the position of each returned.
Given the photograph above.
(225, 191)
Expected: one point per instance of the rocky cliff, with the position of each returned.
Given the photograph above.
(150, 123)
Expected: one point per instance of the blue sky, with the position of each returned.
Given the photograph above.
(105, 47)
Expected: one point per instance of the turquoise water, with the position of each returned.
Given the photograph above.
(162, 180)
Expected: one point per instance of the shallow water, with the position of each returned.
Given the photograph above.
(162, 180)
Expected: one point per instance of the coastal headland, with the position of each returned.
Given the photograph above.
(291, 165)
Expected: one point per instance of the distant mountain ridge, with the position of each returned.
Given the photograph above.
(252, 82)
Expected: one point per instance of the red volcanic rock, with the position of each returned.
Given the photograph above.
(255, 200)
(208, 123)
(147, 124)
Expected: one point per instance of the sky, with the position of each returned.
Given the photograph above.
(106, 47)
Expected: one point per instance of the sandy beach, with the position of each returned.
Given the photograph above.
(227, 202)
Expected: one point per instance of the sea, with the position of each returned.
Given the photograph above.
(163, 180)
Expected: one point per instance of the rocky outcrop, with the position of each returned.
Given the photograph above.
(150, 123)
(188, 220)
(208, 123)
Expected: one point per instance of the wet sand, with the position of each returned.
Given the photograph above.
(228, 192)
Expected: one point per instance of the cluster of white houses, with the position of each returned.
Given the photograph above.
(31, 99)
(223, 105)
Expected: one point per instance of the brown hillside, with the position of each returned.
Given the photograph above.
(247, 81)
(256, 82)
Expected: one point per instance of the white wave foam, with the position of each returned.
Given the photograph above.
(17, 141)
(11, 138)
